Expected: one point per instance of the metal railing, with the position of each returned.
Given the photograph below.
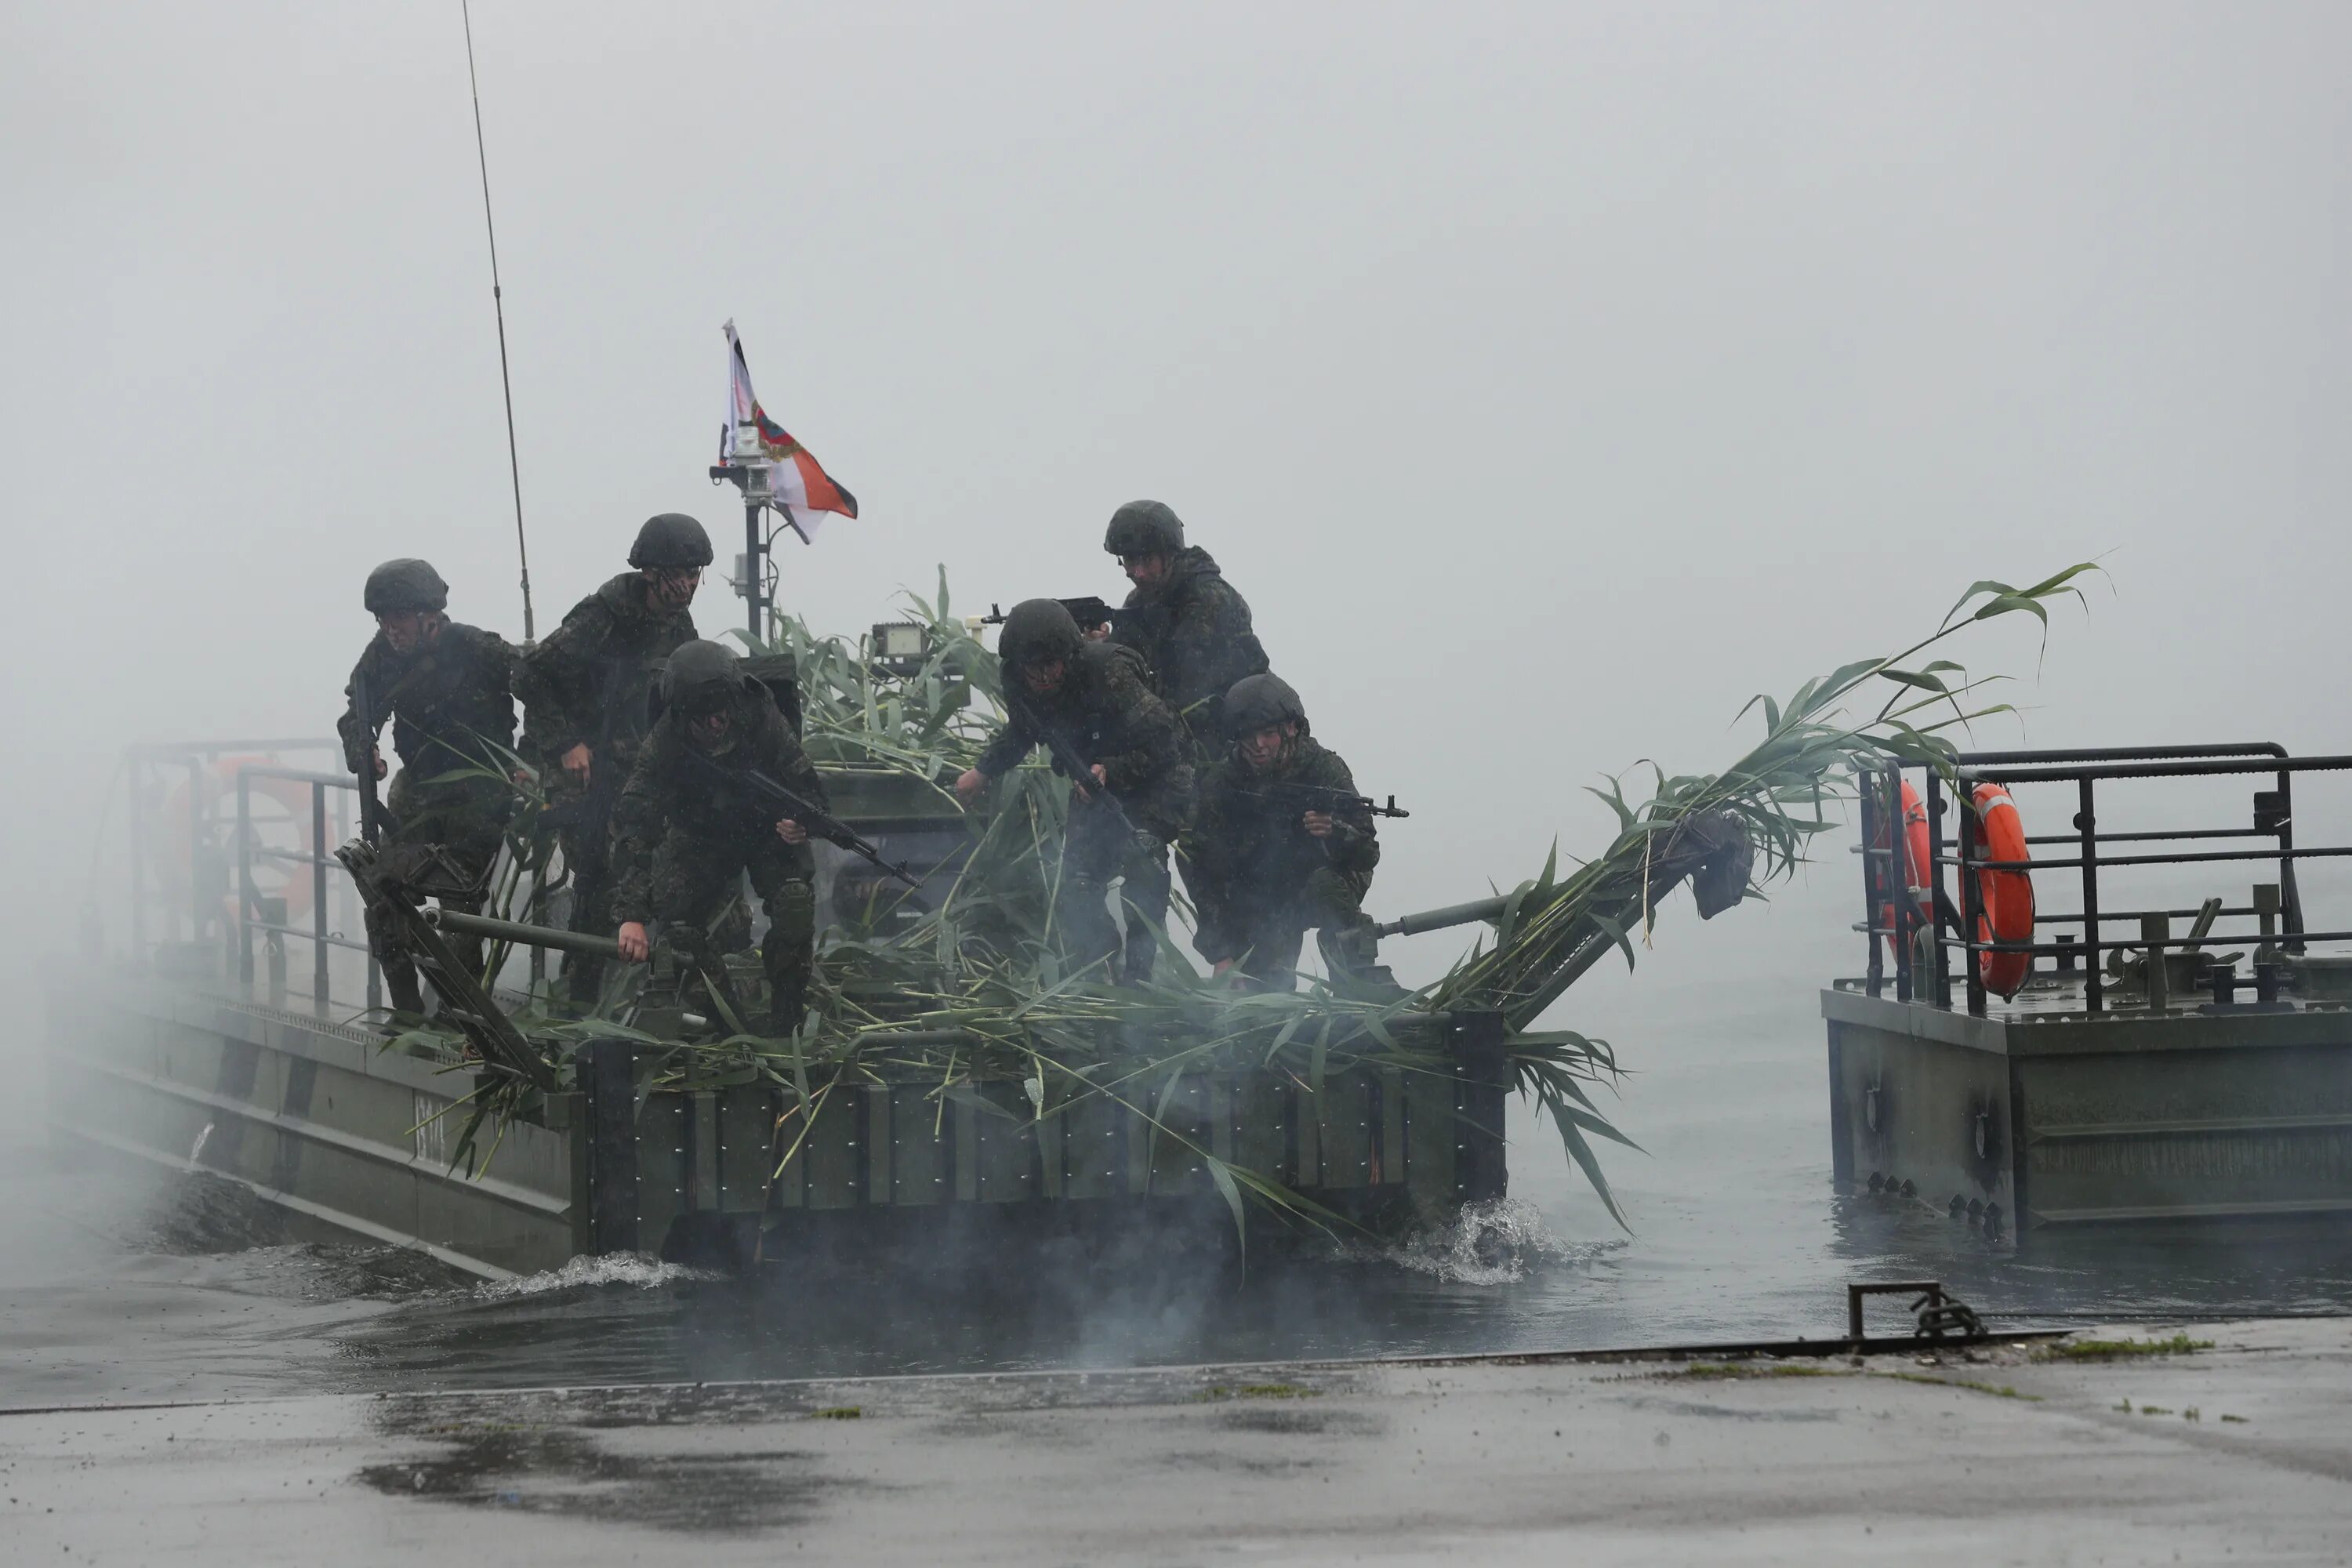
(254, 914)
(155, 917)
(1953, 927)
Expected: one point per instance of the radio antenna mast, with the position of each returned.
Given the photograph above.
(497, 302)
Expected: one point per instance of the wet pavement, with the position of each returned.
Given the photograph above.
(2242, 1449)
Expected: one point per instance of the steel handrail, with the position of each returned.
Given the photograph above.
(248, 897)
(149, 748)
(2191, 768)
(2126, 753)
(1953, 929)
(300, 775)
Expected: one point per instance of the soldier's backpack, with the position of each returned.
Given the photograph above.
(779, 673)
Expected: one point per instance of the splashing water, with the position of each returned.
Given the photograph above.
(1498, 1242)
(640, 1269)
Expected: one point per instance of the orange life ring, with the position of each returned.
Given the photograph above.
(1915, 867)
(280, 820)
(2004, 899)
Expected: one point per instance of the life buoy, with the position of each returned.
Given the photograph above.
(279, 817)
(2004, 899)
(1915, 868)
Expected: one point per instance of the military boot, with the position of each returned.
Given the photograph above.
(789, 1009)
(1351, 956)
(401, 986)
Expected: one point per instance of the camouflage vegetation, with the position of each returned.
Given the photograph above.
(981, 989)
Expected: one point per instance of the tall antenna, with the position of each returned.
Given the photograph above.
(497, 301)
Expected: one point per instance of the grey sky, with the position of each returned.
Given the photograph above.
(1550, 378)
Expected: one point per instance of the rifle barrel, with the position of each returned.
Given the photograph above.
(1451, 915)
(527, 935)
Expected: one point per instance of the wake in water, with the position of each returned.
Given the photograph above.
(201, 1215)
(1500, 1241)
(584, 1272)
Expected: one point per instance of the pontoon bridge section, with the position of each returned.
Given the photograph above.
(2181, 1050)
(220, 1019)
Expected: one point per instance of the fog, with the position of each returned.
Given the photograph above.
(1549, 378)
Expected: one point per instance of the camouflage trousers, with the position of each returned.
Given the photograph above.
(1329, 902)
(1098, 851)
(588, 859)
(468, 821)
(586, 841)
(693, 886)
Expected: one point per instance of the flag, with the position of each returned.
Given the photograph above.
(791, 480)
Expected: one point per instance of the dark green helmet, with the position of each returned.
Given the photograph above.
(398, 587)
(1145, 528)
(701, 676)
(671, 543)
(1261, 702)
(1038, 631)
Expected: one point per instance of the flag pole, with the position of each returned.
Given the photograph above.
(497, 302)
(755, 569)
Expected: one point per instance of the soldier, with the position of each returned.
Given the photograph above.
(1272, 854)
(686, 834)
(586, 696)
(1091, 702)
(447, 689)
(1190, 626)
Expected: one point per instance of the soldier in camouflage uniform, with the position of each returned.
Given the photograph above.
(447, 689)
(1094, 697)
(586, 695)
(1190, 626)
(1264, 865)
(685, 837)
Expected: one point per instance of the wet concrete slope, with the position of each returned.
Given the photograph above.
(2243, 1450)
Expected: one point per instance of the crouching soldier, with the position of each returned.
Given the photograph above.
(447, 689)
(586, 694)
(1091, 704)
(694, 818)
(1279, 847)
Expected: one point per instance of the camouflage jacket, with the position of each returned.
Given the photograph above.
(444, 700)
(673, 788)
(1106, 709)
(1194, 633)
(1248, 854)
(593, 678)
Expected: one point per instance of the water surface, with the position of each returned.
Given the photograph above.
(118, 1288)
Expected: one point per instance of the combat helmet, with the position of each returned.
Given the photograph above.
(1261, 702)
(1038, 631)
(1145, 528)
(671, 542)
(701, 676)
(400, 587)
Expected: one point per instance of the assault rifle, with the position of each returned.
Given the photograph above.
(375, 822)
(1324, 797)
(820, 823)
(1089, 613)
(1066, 757)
